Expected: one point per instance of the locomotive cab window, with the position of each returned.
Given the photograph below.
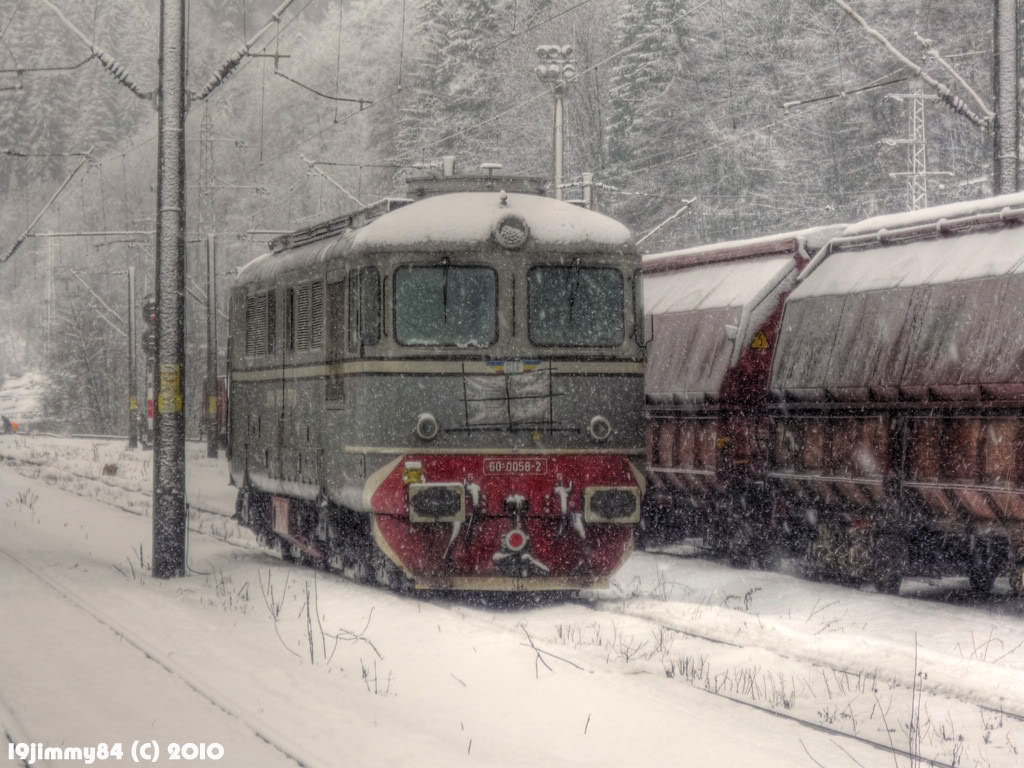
(576, 306)
(446, 306)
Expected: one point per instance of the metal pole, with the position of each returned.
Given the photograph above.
(1006, 125)
(212, 388)
(588, 191)
(133, 376)
(170, 517)
(558, 137)
(49, 301)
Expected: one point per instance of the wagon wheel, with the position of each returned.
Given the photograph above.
(826, 553)
(888, 563)
(741, 543)
(982, 571)
(1017, 578)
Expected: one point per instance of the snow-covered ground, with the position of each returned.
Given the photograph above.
(684, 661)
(20, 397)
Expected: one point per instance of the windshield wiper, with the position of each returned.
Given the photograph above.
(575, 285)
(444, 289)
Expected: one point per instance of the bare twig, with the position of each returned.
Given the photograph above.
(1018, 645)
(352, 637)
(539, 659)
(854, 759)
(810, 755)
(888, 733)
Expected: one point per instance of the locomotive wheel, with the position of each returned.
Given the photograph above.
(387, 574)
(252, 509)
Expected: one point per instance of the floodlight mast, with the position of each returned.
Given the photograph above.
(557, 69)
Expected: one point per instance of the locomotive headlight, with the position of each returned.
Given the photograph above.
(437, 502)
(600, 428)
(426, 426)
(609, 504)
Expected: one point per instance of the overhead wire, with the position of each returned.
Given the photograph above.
(817, 104)
(3, 31)
(517, 34)
(401, 49)
(337, 76)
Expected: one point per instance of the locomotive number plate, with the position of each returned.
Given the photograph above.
(515, 466)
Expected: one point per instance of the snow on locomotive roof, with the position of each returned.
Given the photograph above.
(464, 219)
(453, 222)
(925, 215)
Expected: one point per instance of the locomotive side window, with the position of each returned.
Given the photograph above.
(363, 308)
(259, 325)
(575, 306)
(443, 305)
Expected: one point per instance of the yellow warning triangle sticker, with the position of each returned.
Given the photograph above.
(760, 341)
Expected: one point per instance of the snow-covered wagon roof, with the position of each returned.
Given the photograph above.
(925, 307)
(708, 303)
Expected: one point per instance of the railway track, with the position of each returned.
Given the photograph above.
(605, 607)
(196, 511)
(161, 660)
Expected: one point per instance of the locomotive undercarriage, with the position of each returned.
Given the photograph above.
(363, 546)
(322, 535)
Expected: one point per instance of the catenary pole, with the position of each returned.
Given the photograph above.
(1004, 79)
(212, 387)
(133, 402)
(170, 521)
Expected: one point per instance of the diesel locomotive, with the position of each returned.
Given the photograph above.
(444, 392)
